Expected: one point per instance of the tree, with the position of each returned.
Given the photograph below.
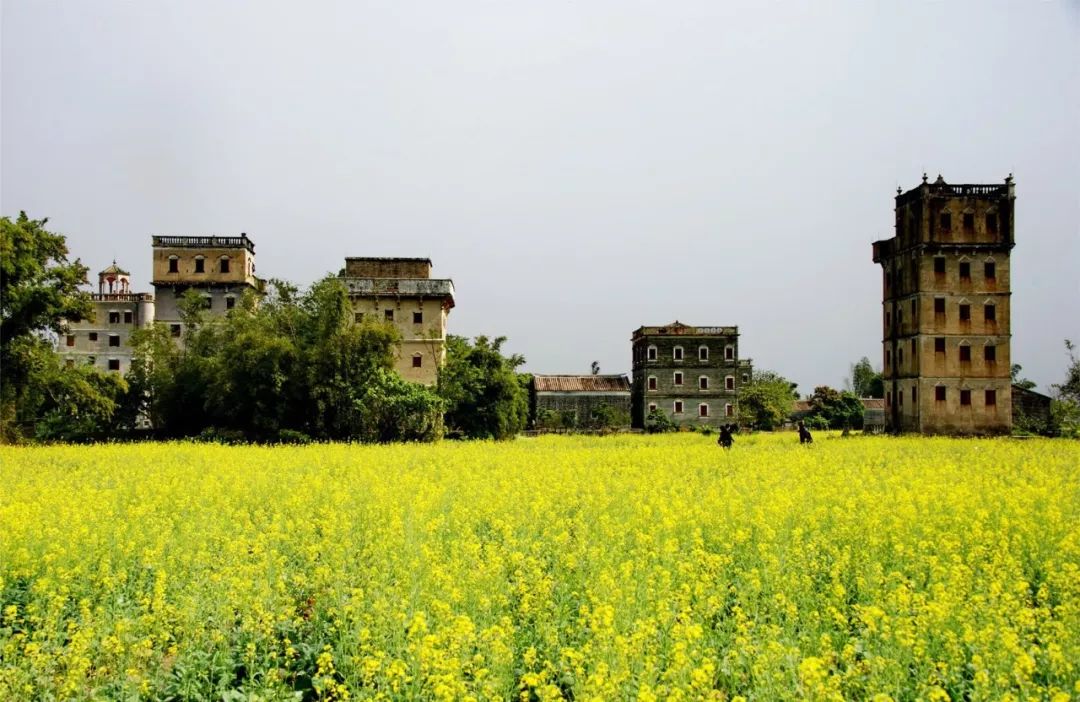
(766, 401)
(595, 368)
(658, 422)
(1024, 383)
(483, 394)
(841, 410)
(865, 381)
(1065, 408)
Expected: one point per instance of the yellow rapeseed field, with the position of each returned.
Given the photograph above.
(626, 567)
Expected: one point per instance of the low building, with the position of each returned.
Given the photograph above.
(874, 418)
(1031, 410)
(104, 339)
(402, 292)
(576, 398)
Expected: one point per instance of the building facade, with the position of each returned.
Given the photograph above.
(104, 340)
(576, 397)
(402, 292)
(691, 374)
(946, 309)
(220, 268)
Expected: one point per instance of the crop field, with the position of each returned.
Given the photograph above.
(626, 567)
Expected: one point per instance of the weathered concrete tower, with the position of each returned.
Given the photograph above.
(945, 309)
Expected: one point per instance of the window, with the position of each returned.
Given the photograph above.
(729, 410)
(128, 318)
(990, 353)
(965, 313)
(939, 265)
(888, 399)
(888, 320)
(223, 264)
(677, 406)
(965, 270)
(92, 336)
(417, 360)
(900, 356)
(990, 312)
(888, 357)
(991, 222)
(965, 397)
(652, 407)
(746, 377)
(230, 302)
(969, 222)
(200, 264)
(729, 382)
(965, 353)
(417, 317)
(114, 318)
(914, 396)
(914, 311)
(900, 318)
(678, 378)
(900, 398)
(703, 383)
(939, 344)
(358, 317)
(174, 329)
(989, 270)
(70, 339)
(939, 393)
(991, 398)
(652, 353)
(652, 382)
(114, 339)
(939, 305)
(388, 315)
(676, 353)
(114, 364)
(174, 264)
(703, 410)
(729, 353)
(945, 221)
(703, 353)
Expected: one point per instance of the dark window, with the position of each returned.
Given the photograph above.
(174, 264)
(417, 317)
(652, 353)
(388, 315)
(729, 410)
(128, 318)
(900, 318)
(703, 353)
(92, 336)
(946, 221)
(358, 317)
(965, 270)
(989, 270)
(703, 410)
(990, 313)
(888, 358)
(939, 264)
(914, 311)
(652, 383)
(224, 265)
(729, 383)
(114, 318)
(729, 353)
(703, 383)
(969, 221)
(939, 393)
(174, 329)
(888, 320)
(678, 406)
(888, 399)
(990, 352)
(678, 378)
(652, 407)
(71, 340)
(939, 344)
(991, 223)
(200, 265)
(965, 353)
(939, 305)
(965, 313)
(965, 397)
(114, 364)
(900, 356)
(416, 361)
(900, 398)
(914, 395)
(230, 302)
(677, 353)
(114, 340)
(991, 398)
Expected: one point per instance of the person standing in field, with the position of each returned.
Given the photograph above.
(726, 440)
(804, 434)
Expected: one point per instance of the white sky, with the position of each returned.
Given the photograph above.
(578, 168)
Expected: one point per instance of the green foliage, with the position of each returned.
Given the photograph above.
(1014, 372)
(765, 403)
(658, 422)
(1065, 409)
(606, 416)
(865, 381)
(840, 410)
(816, 422)
(485, 398)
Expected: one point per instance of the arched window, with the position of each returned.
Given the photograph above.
(200, 264)
(677, 353)
(652, 382)
(417, 360)
(703, 382)
(174, 264)
(703, 353)
(652, 353)
(223, 264)
(729, 382)
(703, 410)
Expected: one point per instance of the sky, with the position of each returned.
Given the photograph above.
(579, 169)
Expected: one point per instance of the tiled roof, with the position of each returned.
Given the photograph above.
(581, 383)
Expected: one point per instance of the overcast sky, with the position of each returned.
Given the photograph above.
(578, 168)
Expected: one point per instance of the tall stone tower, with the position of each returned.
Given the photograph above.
(945, 310)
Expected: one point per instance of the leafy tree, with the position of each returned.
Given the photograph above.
(842, 410)
(865, 381)
(657, 422)
(765, 402)
(1065, 408)
(483, 394)
(606, 416)
(595, 368)
(1024, 383)
(79, 404)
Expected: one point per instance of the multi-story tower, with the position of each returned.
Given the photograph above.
(220, 268)
(402, 292)
(104, 340)
(691, 374)
(946, 309)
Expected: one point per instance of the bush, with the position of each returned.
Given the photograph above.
(657, 423)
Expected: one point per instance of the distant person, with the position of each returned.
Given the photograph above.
(725, 439)
(804, 434)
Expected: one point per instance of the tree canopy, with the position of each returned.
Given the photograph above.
(766, 401)
(485, 397)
